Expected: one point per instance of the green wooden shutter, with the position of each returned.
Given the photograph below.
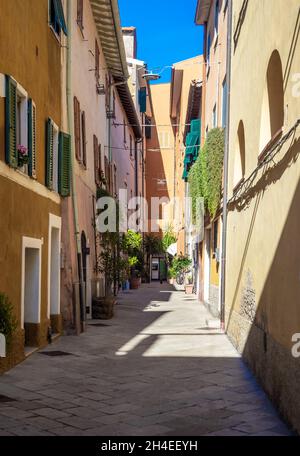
(31, 139)
(11, 155)
(49, 154)
(64, 167)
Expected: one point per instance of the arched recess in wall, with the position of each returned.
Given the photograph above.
(240, 156)
(272, 112)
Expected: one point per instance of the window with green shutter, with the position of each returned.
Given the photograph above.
(11, 155)
(64, 168)
(31, 139)
(49, 153)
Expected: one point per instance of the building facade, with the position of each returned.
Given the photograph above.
(34, 171)
(213, 16)
(262, 272)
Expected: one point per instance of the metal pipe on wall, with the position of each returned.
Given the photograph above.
(226, 154)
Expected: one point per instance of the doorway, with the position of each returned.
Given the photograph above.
(31, 289)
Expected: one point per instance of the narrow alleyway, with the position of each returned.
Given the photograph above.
(153, 370)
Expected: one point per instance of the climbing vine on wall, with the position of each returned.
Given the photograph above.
(205, 176)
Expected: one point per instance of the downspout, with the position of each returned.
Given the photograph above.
(226, 154)
(73, 184)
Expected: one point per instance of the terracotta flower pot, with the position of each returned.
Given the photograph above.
(134, 283)
(189, 288)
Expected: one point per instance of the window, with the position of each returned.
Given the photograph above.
(215, 234)
(164, 139)
(239, 159)
(217, 4)
(208, 51)
(272, 111)
(130, 148)
(20, 128)
(214, 117)
(57, 17)
(114, 104)
(58, 159)
(52, 133)
(80, 14)
(77, 129)
(124, 130)
(97, 61)
(224, 102)
(83, 138)
(97, 161)
(115, 180)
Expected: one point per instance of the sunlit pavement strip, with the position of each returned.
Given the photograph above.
(154, 370)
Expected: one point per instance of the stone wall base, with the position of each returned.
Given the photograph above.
(15, 352)
(56, 324)
(276, 369)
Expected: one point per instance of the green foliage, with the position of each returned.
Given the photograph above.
(168, 239)
(172, 273)
(8, 322)
(205, 176)
(153, 244)
(132, 241)
(180, 264)
(133, 261)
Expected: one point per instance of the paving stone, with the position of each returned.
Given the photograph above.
(173, 378)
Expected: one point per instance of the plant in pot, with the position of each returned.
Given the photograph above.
(8, 322)
(23, 157)
(171, 275)
(134, 279)
(189, 285)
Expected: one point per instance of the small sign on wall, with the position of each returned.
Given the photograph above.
(2, 346)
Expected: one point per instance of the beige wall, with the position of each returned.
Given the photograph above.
(262, 273)
(160, 151)
(192, 70)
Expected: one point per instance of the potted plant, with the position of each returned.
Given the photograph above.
(22, 155)
(189, 285)
(8, 322)
(171, 275)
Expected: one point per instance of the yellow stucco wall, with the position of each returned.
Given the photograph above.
(30, 53)
(263, 234)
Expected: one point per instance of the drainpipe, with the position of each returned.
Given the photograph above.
(226, 154)
(73, 184)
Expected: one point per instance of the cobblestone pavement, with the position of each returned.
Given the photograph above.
(155, 369)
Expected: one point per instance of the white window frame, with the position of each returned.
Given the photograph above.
(23, 124)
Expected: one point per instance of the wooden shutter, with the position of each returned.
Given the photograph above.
(11, 155)
(97, 61)
(83, 138)
(77, 129)
(100, 160)
(49, 154)
(31, 139)
(96, 161)
(80, 13)
(64, 164)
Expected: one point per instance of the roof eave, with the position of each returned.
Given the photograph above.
(202, 11)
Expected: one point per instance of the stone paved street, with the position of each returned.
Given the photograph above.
(153, 370)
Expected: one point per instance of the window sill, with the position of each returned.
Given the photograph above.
(81, 28)
(57, 37)
(270, 144)
(216, 42)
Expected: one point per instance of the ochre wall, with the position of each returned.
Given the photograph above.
(30, 53)
(263, 254)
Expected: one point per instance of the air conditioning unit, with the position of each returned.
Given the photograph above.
(100, 88)
(110, 114)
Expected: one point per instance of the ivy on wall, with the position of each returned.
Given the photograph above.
(205, 176)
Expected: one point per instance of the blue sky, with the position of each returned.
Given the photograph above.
(166, 32)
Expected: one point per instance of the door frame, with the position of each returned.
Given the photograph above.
(30, 243)
(54, 222)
